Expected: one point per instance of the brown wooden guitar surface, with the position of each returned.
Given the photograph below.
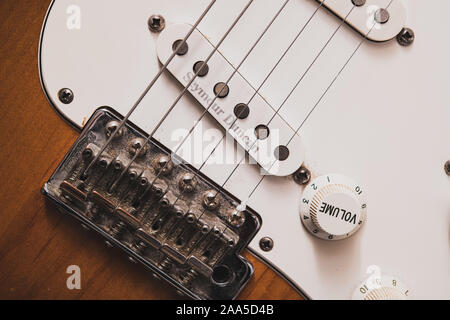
(37, 243)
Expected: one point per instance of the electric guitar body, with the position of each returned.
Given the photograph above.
(254, 150)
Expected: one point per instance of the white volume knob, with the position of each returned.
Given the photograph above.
(382, 288)
(333, 207)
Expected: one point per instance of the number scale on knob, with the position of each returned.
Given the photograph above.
(382, 288)
(333, 207)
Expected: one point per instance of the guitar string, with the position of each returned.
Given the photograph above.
(322, 96)
(149, 87)
(182, 93)
(217, 95)
(251, 99)
(205, 112)
(293, 89)
(270, 74)
(284, 101)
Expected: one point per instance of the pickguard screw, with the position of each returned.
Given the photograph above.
(65, 95)
(302, 176)
(406, 37)
(266, 244)
(447, 167)
(156, 23)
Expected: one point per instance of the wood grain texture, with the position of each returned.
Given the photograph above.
(37, 243)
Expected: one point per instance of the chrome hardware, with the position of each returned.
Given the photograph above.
(221, 90)
(359, 3)
(187, 182)
(241, 111)
(66, 96)
(163, 165)
(382, 16)
(390, 22)
(156, 23)
(281, 153)
(211, 200)
(201, 69)
(111, 128)
(161, 213)
(266, 244)
(236, 218)
(302, 176)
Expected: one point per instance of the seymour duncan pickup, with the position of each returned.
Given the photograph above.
(161, 212)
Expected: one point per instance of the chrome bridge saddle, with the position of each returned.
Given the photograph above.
(159, 210)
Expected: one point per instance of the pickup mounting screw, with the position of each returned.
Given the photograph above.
(266, 244)
(156, 23)
(65, 95)
(302, 176)
(447, 167)
(406, 37)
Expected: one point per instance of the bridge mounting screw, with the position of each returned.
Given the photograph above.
(447, 167)
(65, 95)
(302, 176)
(406, 37)
(156, 23)
(266, 244)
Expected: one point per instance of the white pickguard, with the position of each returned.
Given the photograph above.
(384, 122)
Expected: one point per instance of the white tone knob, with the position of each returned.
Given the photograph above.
(333, 207)
(381, 288)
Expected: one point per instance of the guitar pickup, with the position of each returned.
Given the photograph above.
(360, 15)
(276, 134)
(156, 213)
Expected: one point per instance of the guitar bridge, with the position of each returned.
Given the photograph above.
(160, 211)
